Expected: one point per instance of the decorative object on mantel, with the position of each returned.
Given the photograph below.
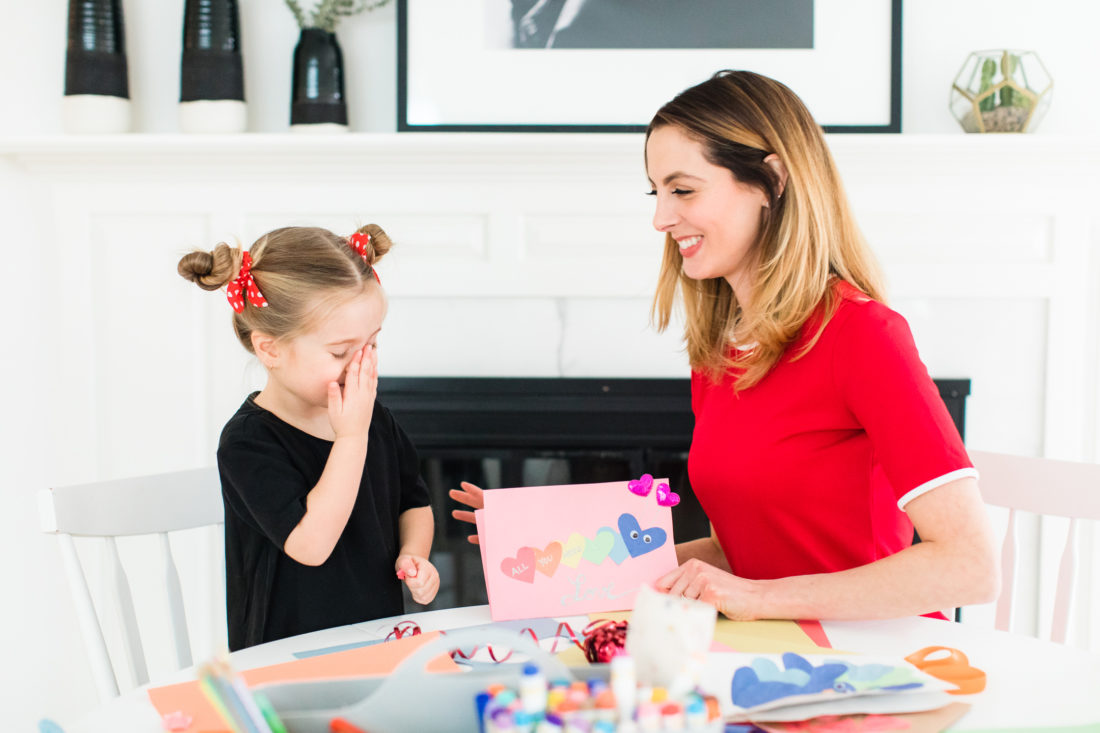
(211, 71)
(97, 89)
(317, 102)
(1001, 91)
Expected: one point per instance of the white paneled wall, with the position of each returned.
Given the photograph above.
(515, 255)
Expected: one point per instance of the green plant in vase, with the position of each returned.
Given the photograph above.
(327, 13)
(1002, 94)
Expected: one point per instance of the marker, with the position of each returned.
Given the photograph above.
(481, 700)
(340, 725)
(268, 711)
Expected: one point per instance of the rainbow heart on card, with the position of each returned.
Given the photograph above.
(520, 567)
(573, 550)
(640, 541)
(547, 561)
(597, 549)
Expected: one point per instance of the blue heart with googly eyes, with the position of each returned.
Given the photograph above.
(639, 541)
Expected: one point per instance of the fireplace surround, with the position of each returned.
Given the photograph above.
(509, 431)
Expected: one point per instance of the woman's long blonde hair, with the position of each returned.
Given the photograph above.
(807, 233)
(300, 271)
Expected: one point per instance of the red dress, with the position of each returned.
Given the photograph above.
(809, 470)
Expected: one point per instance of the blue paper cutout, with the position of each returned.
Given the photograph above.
(748, 690)
(618, 550)
(763, 682)
(638, 541)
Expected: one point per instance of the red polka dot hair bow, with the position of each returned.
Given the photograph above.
(359, 242)
(244, 285)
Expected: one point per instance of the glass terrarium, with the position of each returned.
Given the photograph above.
(1001, 91)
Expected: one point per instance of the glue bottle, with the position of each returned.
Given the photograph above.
(624, 685)
(532, 691)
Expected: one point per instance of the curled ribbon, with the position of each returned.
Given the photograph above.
(359, 242)
(243, 286)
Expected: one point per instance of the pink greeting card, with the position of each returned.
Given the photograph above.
(566, 550)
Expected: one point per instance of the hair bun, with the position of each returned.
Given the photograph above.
(210, 270)
(380, 242)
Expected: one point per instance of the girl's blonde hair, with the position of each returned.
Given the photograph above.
(300, 271)
(807, 233)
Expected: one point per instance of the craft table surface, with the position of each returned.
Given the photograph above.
(1032, 684)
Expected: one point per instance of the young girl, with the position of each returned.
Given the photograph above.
(325, 511)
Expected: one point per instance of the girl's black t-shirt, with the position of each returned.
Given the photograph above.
(267, 468)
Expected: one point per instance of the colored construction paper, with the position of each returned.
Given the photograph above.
(559, 550)
(371, 661)
(765, 637)
(930, 721)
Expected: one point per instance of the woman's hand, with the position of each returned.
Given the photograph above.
(350, 409)
(421, 577)
(471, 496)
(734, 597)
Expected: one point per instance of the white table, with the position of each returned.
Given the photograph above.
(1031, 683)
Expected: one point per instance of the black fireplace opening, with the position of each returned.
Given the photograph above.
(502, 432)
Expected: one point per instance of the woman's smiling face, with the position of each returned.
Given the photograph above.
(714, 218)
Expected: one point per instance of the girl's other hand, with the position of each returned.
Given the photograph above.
(350, 409)
(421, 577)
(471, 496)
(734, 597)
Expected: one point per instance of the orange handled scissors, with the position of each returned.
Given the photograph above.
(954, 668)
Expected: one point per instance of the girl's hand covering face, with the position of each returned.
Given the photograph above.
(471, 496)
(350, 408)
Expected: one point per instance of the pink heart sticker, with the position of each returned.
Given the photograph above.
(520, 567)
(666, 496)
(641, 486)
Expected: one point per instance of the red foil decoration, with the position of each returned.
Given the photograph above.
(603, 640)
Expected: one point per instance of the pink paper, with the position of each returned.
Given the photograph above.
(567, 550)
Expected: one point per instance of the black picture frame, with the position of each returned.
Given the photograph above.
(432, 48)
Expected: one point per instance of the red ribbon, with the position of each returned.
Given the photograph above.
(360, 242)
(246, 285)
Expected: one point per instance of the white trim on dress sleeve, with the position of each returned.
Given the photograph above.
(936, 482)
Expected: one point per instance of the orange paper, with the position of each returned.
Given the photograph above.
(375, 660)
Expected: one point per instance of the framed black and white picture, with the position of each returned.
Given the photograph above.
(608, 65)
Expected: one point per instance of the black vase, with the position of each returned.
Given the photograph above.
(96, 79)
(318, 80)
(95, 59)
(211, 70)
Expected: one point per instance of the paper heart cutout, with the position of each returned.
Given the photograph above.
(546, 561)
(641, 486)
(640, 541)
(666, 496)
(573, 550)
(597, 548)
(618, 550)
(520, 567)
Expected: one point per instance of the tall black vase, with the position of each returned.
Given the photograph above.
(317, 100)
(97, 89)
(211, 70)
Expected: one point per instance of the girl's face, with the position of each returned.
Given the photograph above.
(307, 363)
(714, 218)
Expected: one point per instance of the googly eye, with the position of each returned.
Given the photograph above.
(647, 539)
(634, 534)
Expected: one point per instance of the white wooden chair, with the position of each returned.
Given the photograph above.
(1044, 487)
(146, 505)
